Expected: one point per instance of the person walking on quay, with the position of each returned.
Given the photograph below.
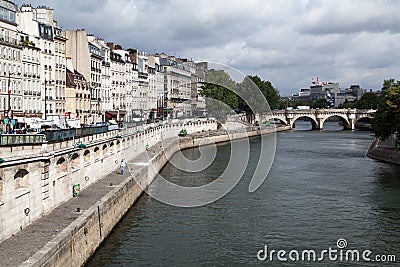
(122, 166)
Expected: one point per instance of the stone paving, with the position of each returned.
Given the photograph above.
(20, 247)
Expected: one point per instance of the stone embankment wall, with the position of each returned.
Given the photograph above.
(36, 179)
(75, 244)
(384, 150)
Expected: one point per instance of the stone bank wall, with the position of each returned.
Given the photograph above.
(384, 151)
(35, 180)
(75, 244)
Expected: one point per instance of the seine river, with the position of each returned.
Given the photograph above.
(321, 189)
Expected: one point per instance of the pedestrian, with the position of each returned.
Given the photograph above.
(122, 166)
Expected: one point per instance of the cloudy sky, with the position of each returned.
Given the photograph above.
(285, 41)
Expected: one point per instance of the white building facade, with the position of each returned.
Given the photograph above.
(41, 31)
(11, 93)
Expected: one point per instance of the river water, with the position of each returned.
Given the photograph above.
(321, 188)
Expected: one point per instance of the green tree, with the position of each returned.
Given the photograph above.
(270, 93)
(320, 103)
(219, 91)
(387, 118)
(256, 96)
(368, 101)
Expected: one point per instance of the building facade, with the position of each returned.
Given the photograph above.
(177, 87)
(78, 92)
(11, 93)
(41, 35)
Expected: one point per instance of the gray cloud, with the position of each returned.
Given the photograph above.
(286, 42)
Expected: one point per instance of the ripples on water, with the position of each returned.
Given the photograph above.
(321, 188)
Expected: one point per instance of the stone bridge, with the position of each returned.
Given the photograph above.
(349, 117)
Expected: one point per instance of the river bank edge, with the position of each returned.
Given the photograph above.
(384, 151)
(74, 245)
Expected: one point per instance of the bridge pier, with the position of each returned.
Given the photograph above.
(351, 125)
(352, 120)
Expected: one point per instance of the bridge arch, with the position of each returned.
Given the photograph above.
(342, 118)
(273, 118)
(363, 123)
(364, 118)
(314, 123)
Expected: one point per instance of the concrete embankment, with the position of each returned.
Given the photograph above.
(73, 245)
(384, 151)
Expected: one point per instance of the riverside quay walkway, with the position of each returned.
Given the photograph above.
(37, 180)
(69, 234)
(24, 244)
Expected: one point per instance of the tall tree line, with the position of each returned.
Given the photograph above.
(252, 95)
(387, 118)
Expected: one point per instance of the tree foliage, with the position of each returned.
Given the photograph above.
(387, 118)
(256, 96)
(270, 93)
(219, 91)
(368, 101)
(248, 96)
(320, 103)
(223, 95)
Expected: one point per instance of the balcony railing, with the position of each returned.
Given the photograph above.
(9, 40)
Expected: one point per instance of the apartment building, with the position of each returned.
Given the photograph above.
(31, 83)
(11, 93)
(177, 87)
(118, 85)
(105, 90)
(87, 59)
(78, 91)
(39, 29)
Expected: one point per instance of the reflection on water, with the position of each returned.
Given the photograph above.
(321, 188)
